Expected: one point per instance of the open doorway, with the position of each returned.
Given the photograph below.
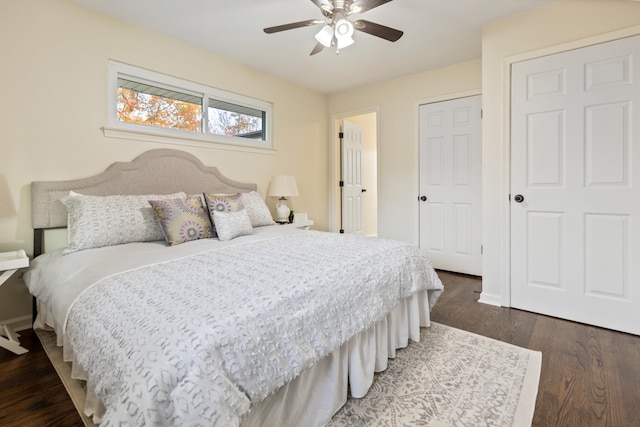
(367, 122)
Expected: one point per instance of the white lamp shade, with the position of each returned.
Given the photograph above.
(344, 42)
(283, 186)
(344, 33)
(344, 28)
(325, 36)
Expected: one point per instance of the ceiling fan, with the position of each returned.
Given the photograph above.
(338, 29)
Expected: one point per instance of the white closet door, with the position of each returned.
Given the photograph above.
(451, 184)
(575, 185)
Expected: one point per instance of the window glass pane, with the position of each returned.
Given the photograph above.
(161, 106)
(225, 118)
(146, 104)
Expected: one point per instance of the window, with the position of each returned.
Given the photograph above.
(234, 120)
(159, 106)
(150, 105)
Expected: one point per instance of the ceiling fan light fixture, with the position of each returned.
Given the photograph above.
(325, 36)
(344, 42)
(344, 33)
(344, 29)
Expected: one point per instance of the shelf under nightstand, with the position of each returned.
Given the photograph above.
(10, 262)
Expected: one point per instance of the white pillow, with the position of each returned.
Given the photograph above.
(97, 221)
(257, 209)
(230, 225)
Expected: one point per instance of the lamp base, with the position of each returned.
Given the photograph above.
(282, 211)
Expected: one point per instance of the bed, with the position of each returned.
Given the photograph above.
(265, 326)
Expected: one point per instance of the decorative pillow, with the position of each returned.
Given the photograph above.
(202, 200)
(183, 220)
(257, 209)
(222, 203)
(97, 221)
(230, 225)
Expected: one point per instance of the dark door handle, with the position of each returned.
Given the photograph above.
(423, 198)
(364, 190)
(519, 198)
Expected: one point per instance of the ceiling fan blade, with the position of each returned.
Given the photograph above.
(377, 30)
(317, 49)
(364, 5)
(291, 26)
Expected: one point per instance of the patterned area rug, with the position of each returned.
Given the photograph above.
(450, 378)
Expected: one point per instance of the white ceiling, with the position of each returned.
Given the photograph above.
(436, 33)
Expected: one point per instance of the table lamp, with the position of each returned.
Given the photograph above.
(283, 186)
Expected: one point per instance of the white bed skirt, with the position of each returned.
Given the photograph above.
(318, 393)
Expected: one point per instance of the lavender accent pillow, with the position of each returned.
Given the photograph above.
(222, 203)
(182, 220)
(230, 225)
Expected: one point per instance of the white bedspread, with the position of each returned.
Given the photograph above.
(195, 340)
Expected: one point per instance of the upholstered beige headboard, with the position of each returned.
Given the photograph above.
(161, 171)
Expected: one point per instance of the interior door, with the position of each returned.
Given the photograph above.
(352, 161)
(451, 184)
(575, 185)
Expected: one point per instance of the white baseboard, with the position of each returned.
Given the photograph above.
(18, 323)
(490, 299)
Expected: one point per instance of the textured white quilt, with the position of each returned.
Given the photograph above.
(194, 341)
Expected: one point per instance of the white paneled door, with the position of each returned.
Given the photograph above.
(575, 185)
(450, 184)
(352, 156)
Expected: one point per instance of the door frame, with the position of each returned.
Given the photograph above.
(505, 208)
(335, 195)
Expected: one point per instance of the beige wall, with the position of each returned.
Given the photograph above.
(396, 102)
(550, 29)
(53, 83)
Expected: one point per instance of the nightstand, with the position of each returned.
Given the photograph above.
(303, 224)
(10, 262)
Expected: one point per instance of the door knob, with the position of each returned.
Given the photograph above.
(519, 198)
(423, 198)
(364, 190)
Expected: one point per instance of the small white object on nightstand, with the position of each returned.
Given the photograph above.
(10, 262)
(304, 224)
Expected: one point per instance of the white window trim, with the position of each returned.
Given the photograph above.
(122, 130)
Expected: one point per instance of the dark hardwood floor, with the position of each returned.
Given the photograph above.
(31, 393)
(590, 376)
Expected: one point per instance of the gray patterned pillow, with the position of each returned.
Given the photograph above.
(222, 203)
(230, 225)
(183, 220)
(257, 209)
(97, 221)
